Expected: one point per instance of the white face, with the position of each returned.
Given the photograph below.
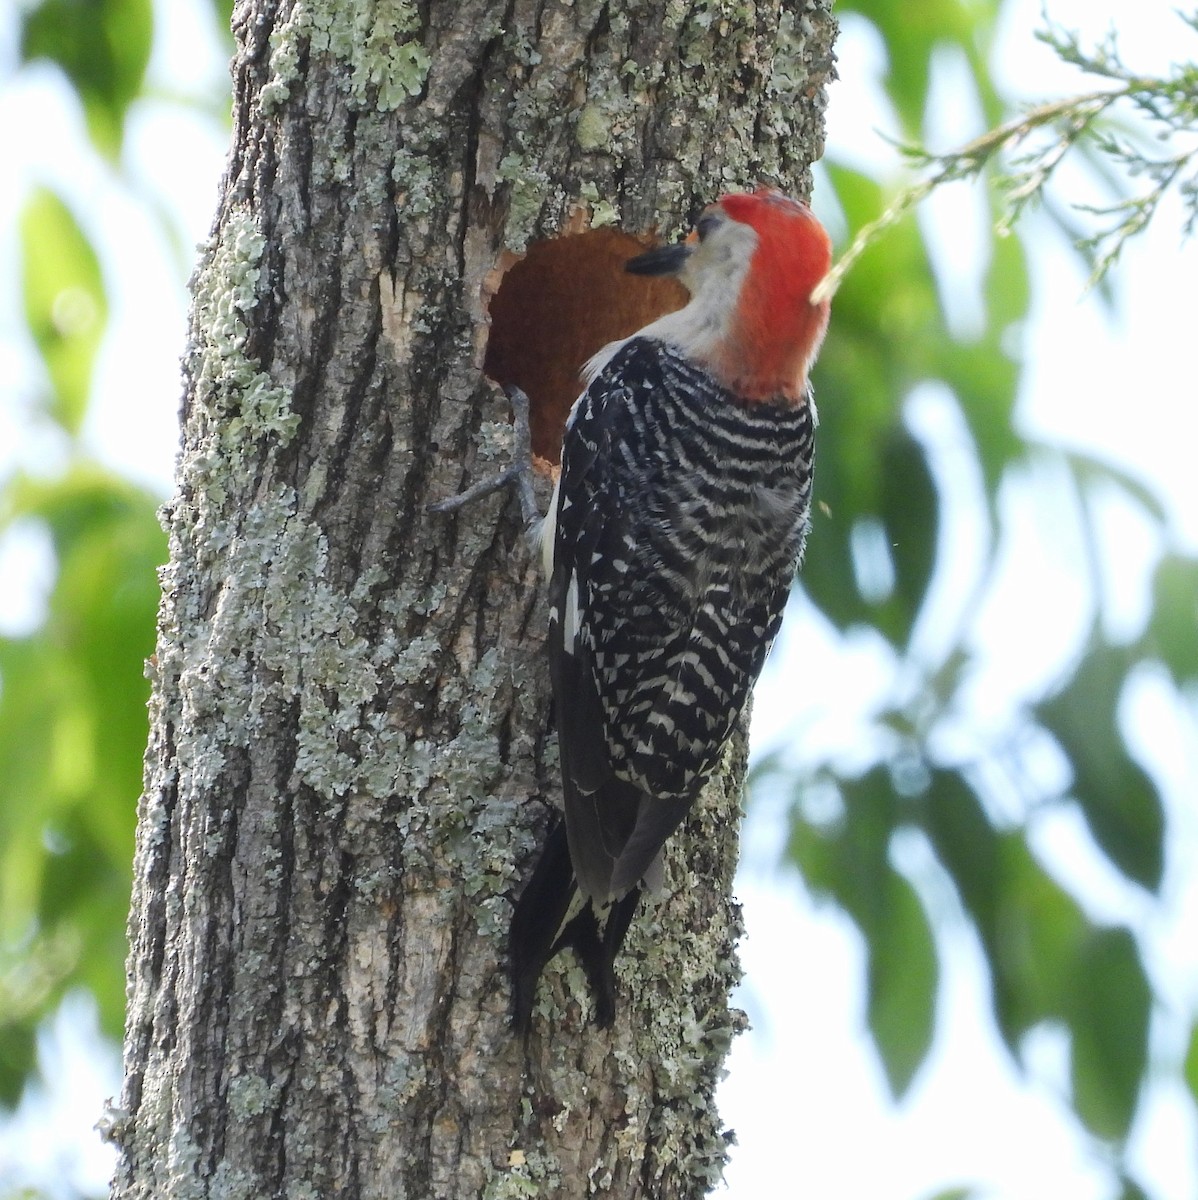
(713, 274)
(720, 259)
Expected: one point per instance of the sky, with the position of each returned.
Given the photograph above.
(805, 1091)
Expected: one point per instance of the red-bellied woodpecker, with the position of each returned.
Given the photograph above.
(671, 543)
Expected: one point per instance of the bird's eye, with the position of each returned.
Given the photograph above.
(706, 224)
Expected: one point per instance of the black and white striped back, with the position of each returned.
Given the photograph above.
(681, 517)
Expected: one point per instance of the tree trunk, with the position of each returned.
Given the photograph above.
(351, 761)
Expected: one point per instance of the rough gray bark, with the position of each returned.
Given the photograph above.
(351, 764)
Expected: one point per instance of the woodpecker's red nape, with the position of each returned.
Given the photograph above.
(777, 331)
(671, 543)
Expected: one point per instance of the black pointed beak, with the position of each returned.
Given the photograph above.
(664, 260)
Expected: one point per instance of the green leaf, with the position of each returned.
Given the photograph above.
(1110, 1009)
(911, 34)
(72, 734)
(1007, 287)
(18, 1053)
(1039, 930)
(1029, 927)
(1190, 1068)
(848, 860)
(103, 46)
(39, 761)
(65, 305)
(863, 450)
(1172, 635)
(903, 977)
(870, 469)
(909, 511)
(223, 12)
(1130, 1190)
(967, 846)
(914, 34)
(983, 374)
(1120, 803)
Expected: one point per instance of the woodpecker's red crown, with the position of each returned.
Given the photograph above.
(775, 332)
(750, 265)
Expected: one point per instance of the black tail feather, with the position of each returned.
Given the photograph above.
(539, 914)
(535, 939)
(598, 952)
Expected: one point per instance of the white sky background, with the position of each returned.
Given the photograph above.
(805, 1093)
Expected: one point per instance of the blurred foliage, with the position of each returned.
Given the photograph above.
(103, 48)
(72, 690)
(875, 562)
(65, 303)
(1021, 154)
(72, 727)
(72, 695)
(1165, 112)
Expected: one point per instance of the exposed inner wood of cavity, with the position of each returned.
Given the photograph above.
(555, 307)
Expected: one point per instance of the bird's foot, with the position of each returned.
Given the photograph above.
(519, 474)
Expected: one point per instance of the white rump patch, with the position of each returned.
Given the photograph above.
(570, 626)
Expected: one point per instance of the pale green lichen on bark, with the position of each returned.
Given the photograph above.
(448, 813)
(779, 70)
(592, 130)
(789, 93)
(603, 212)
(271, 557)
(529, 187)
(231, 1182)
(241, 402)
(530, 1173)
(250, 1095)
(284, 65)
(183, 1181)
(692, 97)
(416, 181)
(387, 67)
(314, 654)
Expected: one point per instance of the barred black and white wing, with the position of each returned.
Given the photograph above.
(680, 517)
(677, 524)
